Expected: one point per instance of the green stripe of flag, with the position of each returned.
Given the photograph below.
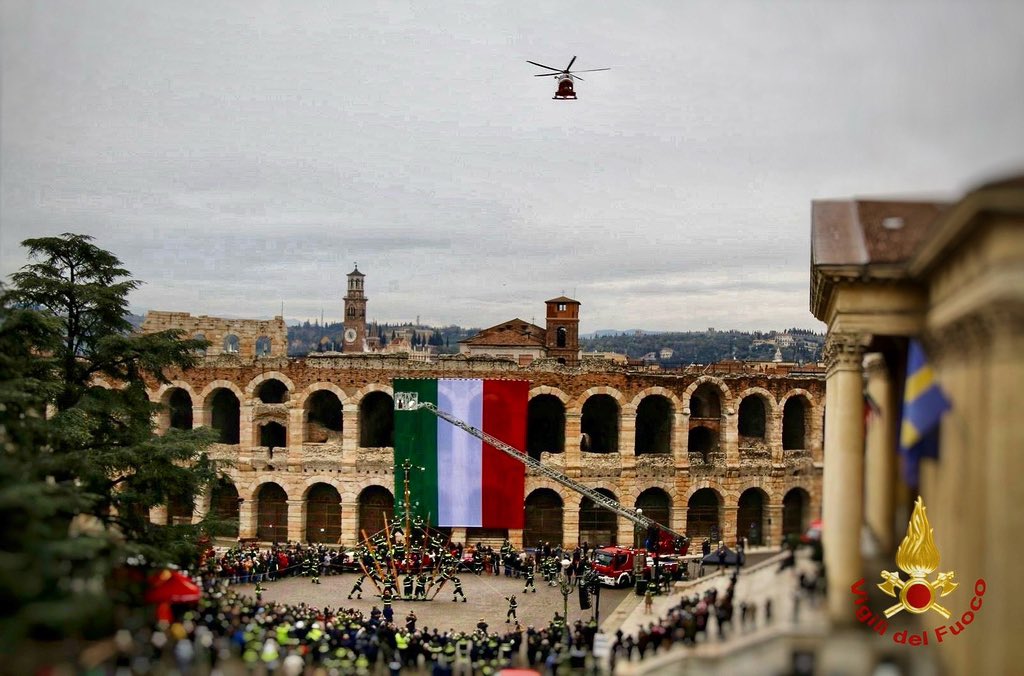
(416, 440)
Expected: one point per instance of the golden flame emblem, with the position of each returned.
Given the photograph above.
(918, 557)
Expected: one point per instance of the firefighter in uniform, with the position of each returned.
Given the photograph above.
(357, 588)
(421, 586)
(529, 580)
(512, 605)
(458, 589)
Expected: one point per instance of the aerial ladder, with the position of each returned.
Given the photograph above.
(409, 401)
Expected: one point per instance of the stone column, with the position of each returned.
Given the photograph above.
(677, 518)
(773, 532)
(198, 416)
(773, 435)
(570, 525)
(880, 453)
(459, 535)
(626, 532)
(573, 430)
(295, 435)
(680, 436)
(843, 480)
(350, 522)
(246, 518)
(627, 441)
(729, 435)
(296, 520)
(727, 526)
(515, 537)
(349, 432)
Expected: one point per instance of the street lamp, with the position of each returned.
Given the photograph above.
(566, 585)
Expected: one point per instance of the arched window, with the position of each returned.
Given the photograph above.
(794, 423)
(323, 416)
(600, 423)
(263, 346)
(598, 526)
(752, 417)
(795, 506)
(272, 391)
(706, 402)
(751, 516)
(201, 351)
(376, 420)
(545, 425)
(543, 518)
(323, 513)
(271, 513)
(224, 414)
(375, 504)
(702, 515)
(653, 425)
(231, 344)
(561, 336)
(656, 504)
(224, 506)
(179, 409)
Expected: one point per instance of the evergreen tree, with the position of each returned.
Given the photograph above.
(82, 466)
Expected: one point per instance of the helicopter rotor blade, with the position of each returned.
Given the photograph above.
(574, 76)
(590, 70)
(557, 70)
(547, 74)
(569, 67)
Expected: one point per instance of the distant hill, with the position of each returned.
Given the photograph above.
(672, 349)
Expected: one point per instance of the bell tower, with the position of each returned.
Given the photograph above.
(562, 338)
(355, 313)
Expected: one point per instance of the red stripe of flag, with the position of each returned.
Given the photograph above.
(504, 478)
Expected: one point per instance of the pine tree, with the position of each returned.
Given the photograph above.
(94, 459)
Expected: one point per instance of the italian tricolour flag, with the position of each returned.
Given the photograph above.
(463, 481)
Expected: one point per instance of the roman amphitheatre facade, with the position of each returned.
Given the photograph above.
(732, 450)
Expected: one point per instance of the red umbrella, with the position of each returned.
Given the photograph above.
(170, 586)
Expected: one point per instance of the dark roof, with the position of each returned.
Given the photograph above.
(861, 232)
(356, 273)
(563, 299)
(513, 333)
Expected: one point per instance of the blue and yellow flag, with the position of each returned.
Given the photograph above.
(924, 404)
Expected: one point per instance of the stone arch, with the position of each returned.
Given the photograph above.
(598, 526)
(158, 395)
(599, 422)
(299, 398)
(376, 420)
(231, 344)
(224, 505)
(543, 518)
(796, 509)
(271, 512)
(756, 413)
(224, 413)
(545, 425)
(796, 422)
(252, 387)
(553, 391)
(654, 424)
(323, 512)
(656, 503)
(375, 502)
(323, 416)
(704, 512)
(177, 401)
(752, 515)
(576, 406)
(264, 346)
(561, 336)
(725, 394)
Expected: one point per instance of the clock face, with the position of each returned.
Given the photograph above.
(350, 335)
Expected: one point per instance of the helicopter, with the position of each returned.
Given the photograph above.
(565, 77)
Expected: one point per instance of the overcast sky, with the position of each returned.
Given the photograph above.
(239, 154)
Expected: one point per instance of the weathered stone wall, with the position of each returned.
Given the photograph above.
(733, 466)
(216, 330)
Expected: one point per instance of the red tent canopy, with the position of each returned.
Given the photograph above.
(170, 586)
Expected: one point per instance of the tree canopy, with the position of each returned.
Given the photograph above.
(81, 463)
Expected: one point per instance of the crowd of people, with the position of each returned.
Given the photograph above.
(299, 638)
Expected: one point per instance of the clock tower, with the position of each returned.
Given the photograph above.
(355, 313)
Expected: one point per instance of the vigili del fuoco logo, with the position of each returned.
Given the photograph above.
(918, 557)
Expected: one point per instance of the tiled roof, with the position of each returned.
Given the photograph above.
(860, 232)
(562, 299)
(513, 333)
